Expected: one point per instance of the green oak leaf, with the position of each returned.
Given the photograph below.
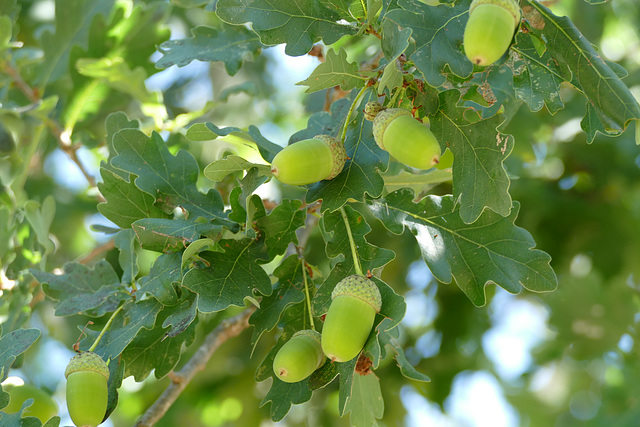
(252, 136)
(287, 291)
(418, 182)
(170, 235)
(164, 277)
(536, 78)
(336, 70)
(479, 178)
(438, 32)
(216, 171)
(171, 179)
(72, 27)
(230, 277)
(128, 258)
(298, 23)
(390, 338)
(346, 372)
(280, 226)
(12, 345)
(490, 250)
(360, 174)
(611, 106)
(233, 46)
(370, 257)
(365, 404)
(182, 315)
(125, 203)
(81, 289)
(125, 327)
(152, 349)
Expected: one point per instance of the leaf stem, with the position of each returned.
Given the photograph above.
(343, 134)
(106, 327)
(354, 251)
(306, 291)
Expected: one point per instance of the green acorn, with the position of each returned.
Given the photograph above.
(490, 29)
(299, 357)
(355, 302)
(309, 161)
(407, 139)
(87, 391)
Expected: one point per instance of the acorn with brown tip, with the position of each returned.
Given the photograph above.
(299, 357)
(490, 29)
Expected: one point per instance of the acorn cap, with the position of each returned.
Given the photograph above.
(509, 5)
(383, 118)
(372, 109)
(308, 332)
(87, 361)
(337, 150)
(359, 287)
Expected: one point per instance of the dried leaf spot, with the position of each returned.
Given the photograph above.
(534, 18)
(364, 365)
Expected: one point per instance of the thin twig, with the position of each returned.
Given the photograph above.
(97, 251)
(227, 329)
(61, 136)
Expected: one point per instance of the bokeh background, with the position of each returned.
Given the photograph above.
(566, 358)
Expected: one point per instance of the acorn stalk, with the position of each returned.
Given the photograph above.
(355, 302)
(490, 29)
(299, 357)
(310, 160)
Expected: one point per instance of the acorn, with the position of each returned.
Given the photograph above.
(299, 357)
(406, 138)
(490, 29)
(310, 160)
(87, 391)
(43, 406)
(348, 323)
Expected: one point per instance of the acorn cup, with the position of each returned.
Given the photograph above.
(299, 357)
(309, 161)
(406, 138)
(87, 391)
(490, 29)
(348, 323)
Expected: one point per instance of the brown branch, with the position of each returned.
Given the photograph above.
(179, 380)
(97, 251)
(62, 137)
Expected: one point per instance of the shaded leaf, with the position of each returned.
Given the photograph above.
(171, 179)
(164, 273)
(170, 235)
(280, 226)
(216, 171)
(128, 259)
(490, 250)
(366, 403)
(298, 23)
(233, 46)
(81, 289)
(479, 178)
(287, 291)
(438, 32)
(334, 71)
(13, 345)
(230, 277)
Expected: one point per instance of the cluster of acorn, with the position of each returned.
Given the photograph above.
(322, 157)
(354, 302)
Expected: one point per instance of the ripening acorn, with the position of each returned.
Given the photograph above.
(309, 161)
(406, 138)
(87, 391)
(490, 29)
(355, 302)
(299, 357)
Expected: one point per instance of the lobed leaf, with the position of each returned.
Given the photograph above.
(298, 23)
(490, 250)
(336, 70)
